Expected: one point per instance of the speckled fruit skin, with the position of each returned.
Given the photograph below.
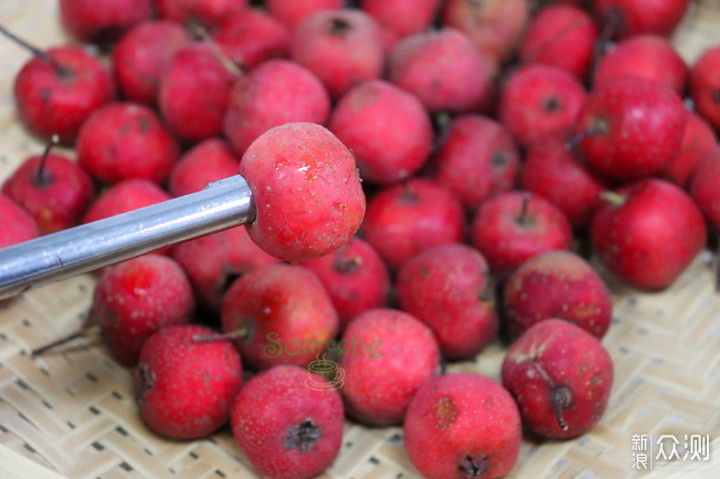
(209, 160)
(557, 354)
(287, 312)
(705, 85)
(559, 175)
(387, 355)
(274, 408)
(649, 56)
(342, 48)
(419, 64)
(59, 199)
(138, 297)
(125, 196)
(292, 12)
(252, 36)
(538, 100)
(355, 278)
(124, 140)
(141, 56)
(275, 93)
(103, 20)
(18, 224)
(460, 423)
(185, 388)
(698, 140)
(557, 284)
(213, 262)
(493, 26)
(193, 93)
(641, 125)
(633, 17)
(649, 239)
(507, 242)
(704, 188)
(562, 36)
(478, 159)
(406, 219)
(387, 129)
(209, 12)
(402, 17)
(306, 190)
(50, 104)
(448, 288)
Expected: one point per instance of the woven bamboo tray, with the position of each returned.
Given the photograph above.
(72, 414)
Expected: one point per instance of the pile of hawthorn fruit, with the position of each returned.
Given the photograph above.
(500, 143)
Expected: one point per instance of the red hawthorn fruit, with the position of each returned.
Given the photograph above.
(185, 387)
(647, 232)
(560, 376)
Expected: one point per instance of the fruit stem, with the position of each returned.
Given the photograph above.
(441, 127)
(202, 33)
(597, 127)
(560, 398)
(41, 179)
(59, 69)
(614, 20)
(347, 265)
(554, 40)
(83, 333)
(615, 199)
(339, 26)
(524, 218)
(240, 333)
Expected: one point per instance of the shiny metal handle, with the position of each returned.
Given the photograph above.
(221, 205)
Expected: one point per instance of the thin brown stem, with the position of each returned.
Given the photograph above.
(347, 265)
(560, 395)
(524, 218)
(554, 40)
(613, 23)
(202, 33)
(560, 398)
(83, 333)
(241, 333)
(41, 179)
(59, 69)
(597, 127)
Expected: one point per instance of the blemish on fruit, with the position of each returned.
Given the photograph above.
(446, 411)
(303, 436)
(474, 465)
